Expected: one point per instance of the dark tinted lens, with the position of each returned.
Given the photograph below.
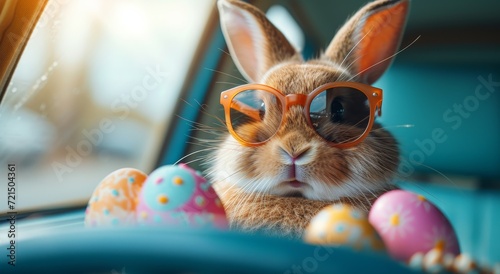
(340, 114)
(255, 115)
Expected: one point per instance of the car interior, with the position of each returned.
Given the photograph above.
(88, 87)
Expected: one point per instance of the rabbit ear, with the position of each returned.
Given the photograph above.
(368, 41)
(254, 43)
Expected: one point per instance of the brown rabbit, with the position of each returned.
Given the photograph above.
(280, 183)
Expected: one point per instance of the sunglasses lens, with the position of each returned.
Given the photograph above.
(255, 115)
(340, 115)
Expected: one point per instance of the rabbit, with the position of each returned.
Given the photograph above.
(278, 186)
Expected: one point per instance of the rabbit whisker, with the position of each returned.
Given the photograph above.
(192, 153)
(349, 54)
(385, 59)
(227, 74)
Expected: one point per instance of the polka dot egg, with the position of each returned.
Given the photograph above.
(408, 223)
(115, 198)
(343, 225)
(179, 195)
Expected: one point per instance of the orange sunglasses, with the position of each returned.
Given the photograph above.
(342, 113)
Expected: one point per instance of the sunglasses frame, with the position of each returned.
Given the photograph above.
(373, 94)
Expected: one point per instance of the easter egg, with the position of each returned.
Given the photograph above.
(343, 225)
(463, 263)
(179, 195)
(434, 261)
(408, 223)
(114, 200)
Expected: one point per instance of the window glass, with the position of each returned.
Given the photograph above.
(94, 91)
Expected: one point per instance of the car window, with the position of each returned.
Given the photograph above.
(94, 91)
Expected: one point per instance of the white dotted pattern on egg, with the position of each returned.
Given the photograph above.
(344, 225)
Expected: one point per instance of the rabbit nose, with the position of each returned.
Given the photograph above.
(295, 156)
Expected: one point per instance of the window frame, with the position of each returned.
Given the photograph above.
(17, 22)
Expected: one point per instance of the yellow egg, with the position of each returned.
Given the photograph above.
(343, 225)
(115, 199)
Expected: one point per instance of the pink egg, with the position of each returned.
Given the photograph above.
(408, 223)
(178, 195)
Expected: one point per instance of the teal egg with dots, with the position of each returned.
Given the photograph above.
(168, 188)
(179, 195)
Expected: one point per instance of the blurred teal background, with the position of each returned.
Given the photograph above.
(424, 97)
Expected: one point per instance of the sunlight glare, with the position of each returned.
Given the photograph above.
(129, 21)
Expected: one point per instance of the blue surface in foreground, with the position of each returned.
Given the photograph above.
(141, 250)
